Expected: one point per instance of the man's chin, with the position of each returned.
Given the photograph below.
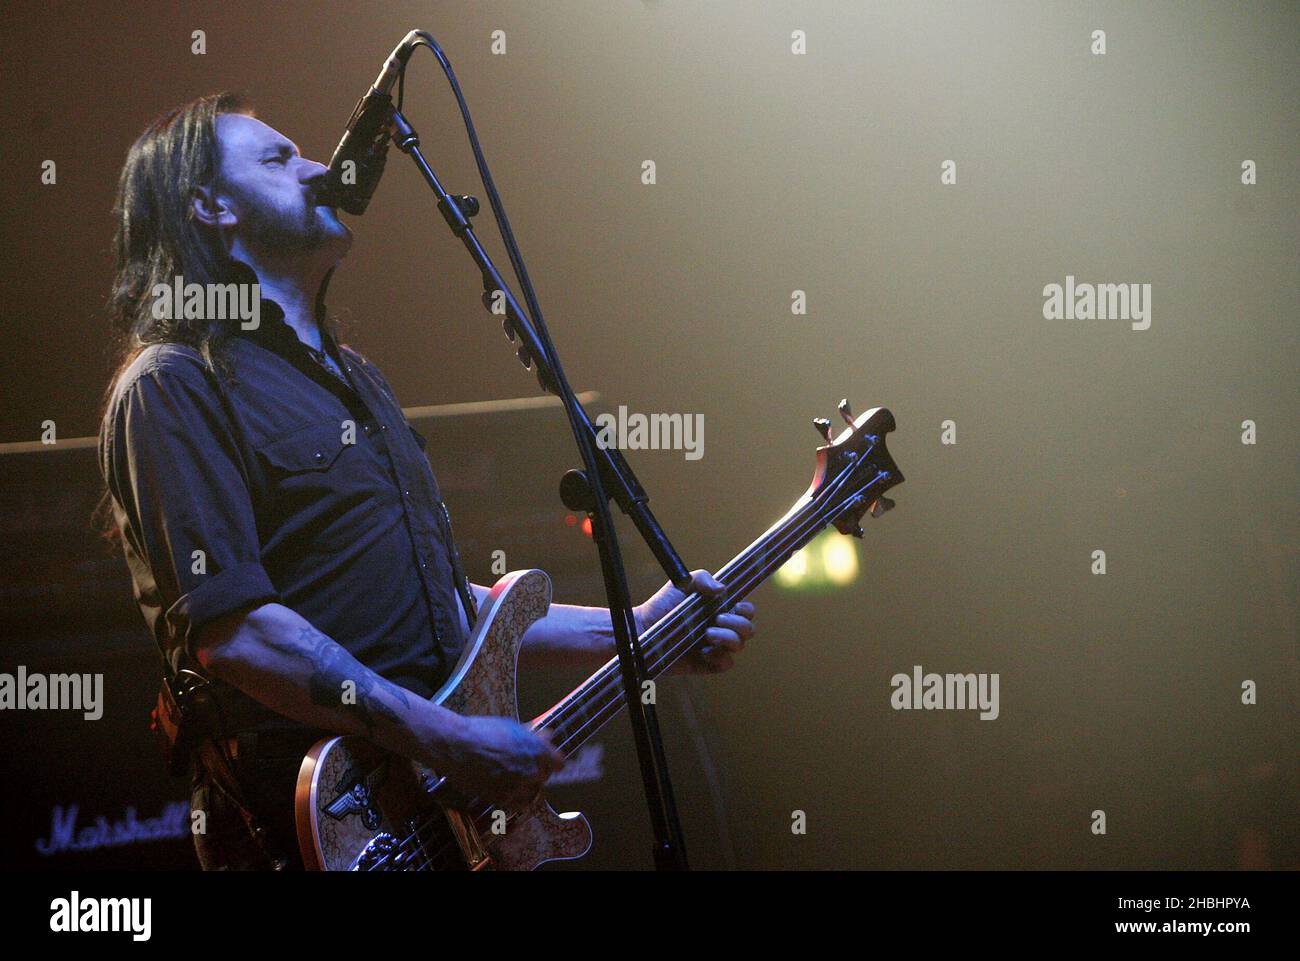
(332, 214)
(335, 229)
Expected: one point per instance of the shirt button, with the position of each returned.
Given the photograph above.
(318, 456)
(406, 494)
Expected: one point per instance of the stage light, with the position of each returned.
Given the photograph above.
(840, 559)
(829, 561)
(793, 571)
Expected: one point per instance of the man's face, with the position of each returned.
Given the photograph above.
(271, 190)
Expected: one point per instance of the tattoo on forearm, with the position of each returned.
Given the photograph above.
(332, 667)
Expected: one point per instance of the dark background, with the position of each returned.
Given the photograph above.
(779, 172)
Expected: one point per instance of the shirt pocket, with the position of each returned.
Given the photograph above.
(313, 447)
(322, 491)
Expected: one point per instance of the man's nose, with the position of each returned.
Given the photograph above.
(311, 170)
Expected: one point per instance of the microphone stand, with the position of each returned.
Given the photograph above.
(606, 474)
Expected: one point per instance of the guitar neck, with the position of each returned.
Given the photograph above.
(599, 699)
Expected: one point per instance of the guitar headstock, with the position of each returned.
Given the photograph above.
(854, 469)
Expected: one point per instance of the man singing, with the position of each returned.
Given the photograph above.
(285, 534)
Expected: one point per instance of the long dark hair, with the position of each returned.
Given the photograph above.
(157, 236)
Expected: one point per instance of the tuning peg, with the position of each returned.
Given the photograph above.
(846, 413)
(823, 427)
(524, 356)
(881, 505)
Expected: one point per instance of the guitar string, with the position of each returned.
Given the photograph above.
(687, 611)
(600, 689)
(681, 614)
(752, 579)
(452, 848)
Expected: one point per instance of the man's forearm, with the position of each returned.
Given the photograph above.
(274, 655)
(570, 635)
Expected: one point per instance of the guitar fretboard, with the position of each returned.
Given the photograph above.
(599, 699)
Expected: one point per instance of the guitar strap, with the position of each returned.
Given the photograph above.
(463, 587)
(188, 721)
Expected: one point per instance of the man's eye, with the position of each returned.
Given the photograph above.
(275, 160)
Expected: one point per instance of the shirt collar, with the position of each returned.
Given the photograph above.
(272, 331)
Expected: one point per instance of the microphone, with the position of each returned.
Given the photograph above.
(358, 160)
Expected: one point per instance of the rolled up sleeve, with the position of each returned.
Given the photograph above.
(173, 464)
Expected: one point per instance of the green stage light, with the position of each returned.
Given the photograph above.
(829, 560)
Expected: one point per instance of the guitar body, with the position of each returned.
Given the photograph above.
(358, 806)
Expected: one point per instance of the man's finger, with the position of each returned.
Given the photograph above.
(720, 637)
(705, 583)
(736, 622)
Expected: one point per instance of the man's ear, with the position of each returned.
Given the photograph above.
(212, 209)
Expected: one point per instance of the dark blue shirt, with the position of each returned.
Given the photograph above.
(288, 483)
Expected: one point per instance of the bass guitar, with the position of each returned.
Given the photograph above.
(361, 808)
